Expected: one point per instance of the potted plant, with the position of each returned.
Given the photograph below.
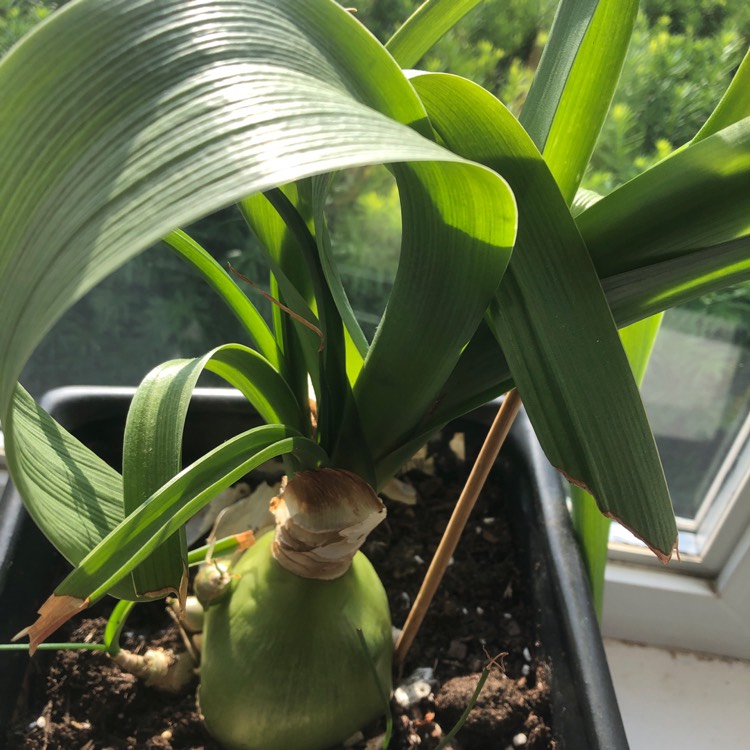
(123, 120)
(550, 610)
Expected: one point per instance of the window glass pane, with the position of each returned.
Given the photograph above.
(697, 392)
(364, 220)
(153, 309)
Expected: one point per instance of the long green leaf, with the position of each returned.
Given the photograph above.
(321, 188)
(456, 243)
(590, 525)
(333, 388)
(152, 455)
(283, 221)
(152, 145)
(59, 460)
(636, 294)
(160, 516)
(733, 106)
(575, 83)
(482, 373)
(229, 292)
(425, 27)
(152, 452)
(687, 202)
(555, 327)
(293, 286)
(176, 502)
(143, 115)
(261, 385)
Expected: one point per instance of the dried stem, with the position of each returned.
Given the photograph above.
(481, 469)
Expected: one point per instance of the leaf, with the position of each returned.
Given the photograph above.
(229, 292)
(152, 447)
(590, 525)
(174, 503)
(687, 202)
(457, 235)
(282, 221)
(734, 105)
(142, 116)
(332, 386)
(555, 327)
(152, 455)
(636, 294)
(294, 287)
(482, 373)
(421, 31)
(321, 188)
(162, 514)
(60, 460)
(575, 82)
(152, 145)
(261, 385)
(75, 497)
(638, 341)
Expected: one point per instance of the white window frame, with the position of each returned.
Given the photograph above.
(701, 602)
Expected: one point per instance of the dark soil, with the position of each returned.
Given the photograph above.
(78, 699)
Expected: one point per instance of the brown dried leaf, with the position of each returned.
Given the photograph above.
(56, 611)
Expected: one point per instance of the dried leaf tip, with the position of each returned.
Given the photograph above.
(56, 611)
(663, 557)
(322, 519)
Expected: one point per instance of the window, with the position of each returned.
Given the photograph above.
(697, 393)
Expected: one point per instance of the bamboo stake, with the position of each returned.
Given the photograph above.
(478, 476)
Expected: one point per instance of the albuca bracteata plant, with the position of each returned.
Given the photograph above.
(123, 119)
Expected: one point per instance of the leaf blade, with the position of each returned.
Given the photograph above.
(161, 516)
(458, 231)
(229, 292)
(140, 158)
(555, 327)
(575, 83)
(684, 203)
(170, 124)
(590, 525)
(420, 32)
(733, 106)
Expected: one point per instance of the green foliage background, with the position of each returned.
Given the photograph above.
(18, 16)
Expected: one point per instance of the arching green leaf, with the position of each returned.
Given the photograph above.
(161, 516)
(555, 327)
(575, 82)
(425, 27)
(733, 106)
(229, 292)
(140, 116)
(687, 202)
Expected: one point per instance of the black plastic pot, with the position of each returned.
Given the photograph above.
(585, 712)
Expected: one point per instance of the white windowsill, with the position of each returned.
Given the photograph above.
(675, 699)
(662, 608)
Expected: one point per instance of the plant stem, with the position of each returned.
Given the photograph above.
(479, 473)
(55, 647)
(472, 702)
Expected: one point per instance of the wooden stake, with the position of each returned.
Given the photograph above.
(478, 476)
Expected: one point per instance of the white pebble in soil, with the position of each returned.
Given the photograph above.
(415, 687)
(520, 740)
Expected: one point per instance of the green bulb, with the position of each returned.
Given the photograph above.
(283, 667)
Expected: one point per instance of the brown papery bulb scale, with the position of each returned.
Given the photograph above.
(322, 519)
